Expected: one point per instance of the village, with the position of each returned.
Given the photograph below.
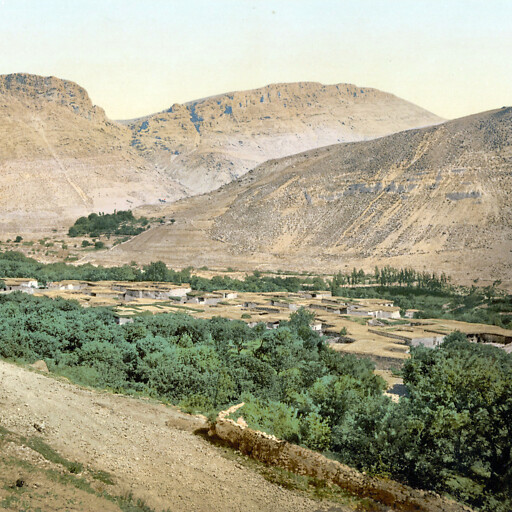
(373, 328)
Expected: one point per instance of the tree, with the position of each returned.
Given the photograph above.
(156, 271)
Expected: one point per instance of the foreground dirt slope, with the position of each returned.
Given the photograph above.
(436, 199)
(148, 448)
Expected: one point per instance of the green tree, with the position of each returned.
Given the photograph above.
(156, 271)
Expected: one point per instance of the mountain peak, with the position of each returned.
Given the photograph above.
(38, 91)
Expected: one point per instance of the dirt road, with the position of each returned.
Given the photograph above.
(149, 448)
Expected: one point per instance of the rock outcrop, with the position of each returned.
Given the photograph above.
(270, 450)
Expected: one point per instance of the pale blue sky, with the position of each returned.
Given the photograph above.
(136, 57)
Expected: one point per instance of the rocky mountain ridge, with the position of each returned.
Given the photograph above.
(35, 91)
(61, 157)
(207, 143)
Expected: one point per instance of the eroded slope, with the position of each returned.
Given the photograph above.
(60, 157)
(436, 198)
(207, 143)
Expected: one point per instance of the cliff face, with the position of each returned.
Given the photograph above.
(38, 91)
(437, 198)
(207, 143)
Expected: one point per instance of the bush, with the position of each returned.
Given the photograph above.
(453, 433)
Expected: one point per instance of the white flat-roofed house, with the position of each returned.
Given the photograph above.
(21, 284)
(227, 294)
(387, 312)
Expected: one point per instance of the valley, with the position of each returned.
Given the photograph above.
(204, 350)
(331, 262)
(434, 199)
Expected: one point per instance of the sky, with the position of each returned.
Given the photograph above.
(136, 57)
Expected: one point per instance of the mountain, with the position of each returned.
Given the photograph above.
(207, 143)
(61, 157)
(436, 198)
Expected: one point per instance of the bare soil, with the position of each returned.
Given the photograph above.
(149, 449)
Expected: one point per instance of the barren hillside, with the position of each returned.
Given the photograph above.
(436, 198)
(207, 143)
(60, 157)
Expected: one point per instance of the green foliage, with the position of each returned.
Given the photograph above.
(18, 239)
(472, 305)
(38, 445)
(452, 434)
(170, 355)
(315, 432)
(16, 264)
(273, 417)
(117, 223)
(461, 395)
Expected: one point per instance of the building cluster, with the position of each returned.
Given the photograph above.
(371, 327)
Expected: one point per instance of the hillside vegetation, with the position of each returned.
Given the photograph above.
(296, 387)
(117, 223)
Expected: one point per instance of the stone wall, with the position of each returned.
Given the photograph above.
(270, 450)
